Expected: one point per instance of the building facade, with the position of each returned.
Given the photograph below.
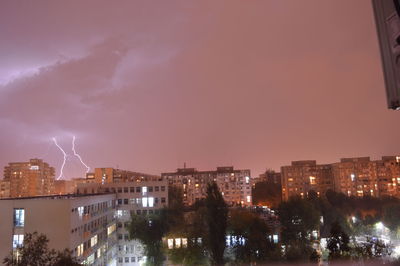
(4, 189)
(302, 176)
(358, 176)
(85, 225)
(132, 197)
(111, 175)
(235, 185)
(29, 179)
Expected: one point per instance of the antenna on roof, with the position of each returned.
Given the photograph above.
(184, 165)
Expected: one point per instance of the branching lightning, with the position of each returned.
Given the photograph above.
(65, 158)
(77, 155)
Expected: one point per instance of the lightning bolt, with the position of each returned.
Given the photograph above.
(65, 158)
(77, 155)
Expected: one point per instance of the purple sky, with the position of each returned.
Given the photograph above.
(149, 85)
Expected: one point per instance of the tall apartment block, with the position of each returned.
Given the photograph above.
(235, 185)
(351, 176)
(84, 224)
(302, 176)
(28, 179)
(144, 195)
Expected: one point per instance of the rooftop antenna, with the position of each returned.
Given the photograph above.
(184, 165)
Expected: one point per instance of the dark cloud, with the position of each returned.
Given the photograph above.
(150, 85)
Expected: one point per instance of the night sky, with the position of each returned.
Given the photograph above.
(149, 85)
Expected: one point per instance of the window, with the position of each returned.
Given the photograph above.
(156, 189)
(18, 240)
(150, 189)
(132, 189)
(144, 191)
(126, 259)
(138, 189)
(120, 190)
(133, 259)
(126, 201)
(120, 260)
(79, 250)
(162, 188)
(126, 189)
(93, 241)
(151, 201)
(163, 200)
(19, 217)
(119, 201)
(144, 201)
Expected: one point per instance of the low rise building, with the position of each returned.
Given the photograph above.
(84, 224)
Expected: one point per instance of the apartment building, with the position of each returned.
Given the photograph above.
(4, 189)
(235, 185)
(141, 197)
(111, 175)
(302, 176)
(85, 224)
(29, 179)
(358, 176)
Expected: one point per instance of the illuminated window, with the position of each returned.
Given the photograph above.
(275, 238)
(151, 202)
(19, 217)
(111, 229)
(144, 191)
(93, 241)
(184, 242)
(248, 199)
(170, 243)
(352, 177)
(18, 240)
(247, 180)
(144, 202)
(312, 180)
(177, 242)
(290, 179)
(79, 250)
(80, 211)
(34, 167)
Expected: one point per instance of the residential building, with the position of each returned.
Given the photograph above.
(110, 175)
(4, 189)
(140, 197)
(28, 179)
(302, 176)
(235, 185)
(84, 224)
(359, 176)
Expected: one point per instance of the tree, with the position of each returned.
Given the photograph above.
(298, 218)
(149, 230)
(391, 216)
(216, 215)
(338, 243)
(35, 252)
(249, 227)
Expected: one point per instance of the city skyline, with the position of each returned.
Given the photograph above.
(150, 86)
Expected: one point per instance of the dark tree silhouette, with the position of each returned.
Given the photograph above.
(35, 252)
(216, 215)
